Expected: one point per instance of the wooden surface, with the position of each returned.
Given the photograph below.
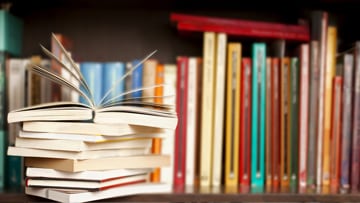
(206, 195)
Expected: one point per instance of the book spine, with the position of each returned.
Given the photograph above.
(232, 115)
(336, 134)
(245, 124)
(258, 116)
(329, 76)
(284, 123)
(137, 79)
(294, 124)
(303, 114)
(180, 137)
(207, 107)
(268, 146)
(347, 122)
(313, 113)
(92, 72)
(219, 100)
(156, 142)
(355, 159)
(275, 122)
(112, 71)
(148, 79)
(2, 120)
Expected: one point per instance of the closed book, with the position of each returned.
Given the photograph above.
(90, 185)
(11, 33)
(347, 120)
(232, 115)
(112, 85)
(74, 165)
(92, 72)
(137, 79)
(181, 132)
(148, 79)
(245, 123)
(258, 116)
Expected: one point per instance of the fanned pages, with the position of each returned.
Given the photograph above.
(115, 109)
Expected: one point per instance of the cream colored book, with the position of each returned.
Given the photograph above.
(82, 155)
(78, 146)
(125, 162)
(207, 108)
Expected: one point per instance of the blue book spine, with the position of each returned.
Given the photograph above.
(136, 81)
(258, 116)
(112, 73)
(92, 72)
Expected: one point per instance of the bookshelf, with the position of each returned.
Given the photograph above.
(138, 27)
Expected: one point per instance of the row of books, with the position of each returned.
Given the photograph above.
(264, 113)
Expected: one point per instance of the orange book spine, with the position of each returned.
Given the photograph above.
(158, 93)
(269, 135)
(336, 124)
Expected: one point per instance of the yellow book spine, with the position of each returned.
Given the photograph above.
(329, 75)
(232, 115)
(207, 108)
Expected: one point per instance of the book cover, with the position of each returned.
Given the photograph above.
(258, 115)
(219, 108)
(232, 115)
(346, 131)
(11, 31)
(303, 113)
(245, 123)
(181, 130)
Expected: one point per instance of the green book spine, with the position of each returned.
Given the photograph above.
(294, 124)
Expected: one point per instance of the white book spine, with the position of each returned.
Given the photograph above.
(219, 99)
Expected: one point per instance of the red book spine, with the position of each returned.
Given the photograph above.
(335, 152)
(275, 123)
(304, 114)
(245, 124)
(180, 134)
(270, 26)
(243, 31)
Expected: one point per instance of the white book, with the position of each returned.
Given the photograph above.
(85, 196)
(78, 146)
(83, 175)
(219, 100)
(96, 154)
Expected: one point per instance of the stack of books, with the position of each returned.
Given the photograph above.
(76, 152)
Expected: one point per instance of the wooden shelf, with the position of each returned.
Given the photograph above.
(203, 195)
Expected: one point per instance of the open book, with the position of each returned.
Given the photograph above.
(110, 110)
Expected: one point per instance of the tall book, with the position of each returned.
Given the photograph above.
(346, 131)
(313, 113)
(192, 123)
(181, 132)
(268, 133)
(148, 79)
(319, 33)
(167, 143)
(303, 113)
(34, 83)
(245, 123)
(284, 123)
(258, 116)
(329, 78)
(219, 100)
(3, 133)
(294, 124)
(232, 114)
(335, 139)
(92, 72)
(111, 73)
(275, 122)
(137, 79)
(355, 158)
(207, 108)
